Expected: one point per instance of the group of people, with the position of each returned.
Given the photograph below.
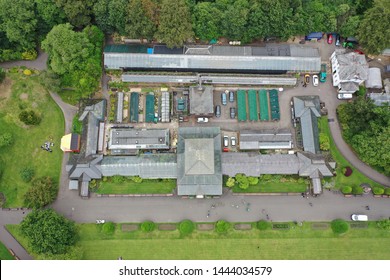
(47, 146)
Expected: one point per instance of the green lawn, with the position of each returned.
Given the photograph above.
(296, 243)
(4, 253)
(274, 187)
(27, 93)
(356, 178)
(70, 96)
(129, 187)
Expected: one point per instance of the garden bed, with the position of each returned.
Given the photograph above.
(205, 226)
(167, 227)
(243, 226)
(320, 226)
(129, 227)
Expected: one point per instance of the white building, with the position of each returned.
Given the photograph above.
(349, 70)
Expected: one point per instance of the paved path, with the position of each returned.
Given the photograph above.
(40, 63)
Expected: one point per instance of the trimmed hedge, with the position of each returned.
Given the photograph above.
(387, 191)
(378, 190)
(357, 190)
(339, 226)
(346, 190)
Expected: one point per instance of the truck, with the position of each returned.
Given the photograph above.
(314, 36)
(323, 73)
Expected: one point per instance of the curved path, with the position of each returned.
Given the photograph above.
(39, 63)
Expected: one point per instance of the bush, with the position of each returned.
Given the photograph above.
(324, 142)
(27, 72)
(27, 174)
(186, 227)
(29, 117)
(347, 171)
(108, 228)
(136, 179)
(387, 191)
(148, 226)
(339, 226)
(118, 179)
(266, 177)
(230, 182)
(378, 190)
(383, 224)
(253, 180)
(362, 91)
(263, 225)
(357, 190)
(42, 192)
(242, 181)
(346, 190)
(6, 139)
(29, 55)
(222, 226)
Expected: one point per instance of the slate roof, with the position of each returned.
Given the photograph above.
(129, 138)
(313, 166)
(265, 139)
(307, 109)
(201, 101)
(199, 161)
(87, 170)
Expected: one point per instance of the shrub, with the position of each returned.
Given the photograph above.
(230, 182)
(105, 178)
(378, 190)
(2, 75)
(29, 117)
(222, 226)
(387, 191)
(6, 139)
(118, 179)
(42, 192)
(93, 185)
(242, 181)
(27, 72)
(346, 190)
(266, 177)
(339, 226)
(29, 55)
(108, 228)
(347, 171)
(362, 91)
(27, 174)
(324, 142)
(253, 180)
(383, 224)
(357, 190)
(186, 227)
(263, 225)
(148, 226)
(136, 179)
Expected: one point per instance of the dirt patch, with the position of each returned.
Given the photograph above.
(167, 227)
(320, 226)
(5, 89)
(130, 227)
(34, 105)
(205, 226)
(23, 96)
(243, 226)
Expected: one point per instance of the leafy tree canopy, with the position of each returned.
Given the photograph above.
(48, 232)
(78, 12)
(42, 192)
(142, 19)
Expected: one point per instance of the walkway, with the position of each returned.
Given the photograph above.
(40, 63)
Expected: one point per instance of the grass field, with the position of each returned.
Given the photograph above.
(26, 93)
(296, 243)
(356, 178)
(4, 253)
(274, 187)
(145, 187)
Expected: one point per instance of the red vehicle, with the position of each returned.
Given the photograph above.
(358, 51)
(330, 39)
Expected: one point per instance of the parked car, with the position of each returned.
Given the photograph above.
(358, 51)
(224, 98)
(323, 73)
(226, 141)
(315, 80)
(360, 218)
(218, 111)
(233, 141)
(100, 221)
(307, 79)
(344, 96)
(232, 112)
(231, 96)
(330, 39)
(203, 120)
(337, 40)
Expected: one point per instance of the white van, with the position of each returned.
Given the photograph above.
(360, 218)
(344, 96)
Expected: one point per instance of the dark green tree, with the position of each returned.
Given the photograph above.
(42, 192)
(78, 12)
(373, 32)
(207, 18)
(141, 20)
(48, 232)
(350, 26)
(234, 20)
(186, 227)
(6, 139)
(339, 226)
(108, 228)
(48, 15)
(18, 22)
(148, 226)
(175, 23)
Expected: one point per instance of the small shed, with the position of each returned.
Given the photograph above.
(71, 143)
(374, 78)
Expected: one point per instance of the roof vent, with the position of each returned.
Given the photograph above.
(136, 141)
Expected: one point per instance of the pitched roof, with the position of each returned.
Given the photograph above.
(313, 166)
(201, 100)
(265, 139)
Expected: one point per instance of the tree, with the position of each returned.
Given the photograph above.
(141, 20)
(207, 20)
(350, 26)
(42, 192)
(110, 15)
(6, 139)
(175, 25)
(108, 228)
(148, 226)
(18, 22)
(373, 32)
(48, 15)
(263, 225)
(186, 227)
(29, 117)
(339, 226)
(242, 181)
(222, 226)
(48, 232)
(234, 20)
(78, 12)
(230, 182)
